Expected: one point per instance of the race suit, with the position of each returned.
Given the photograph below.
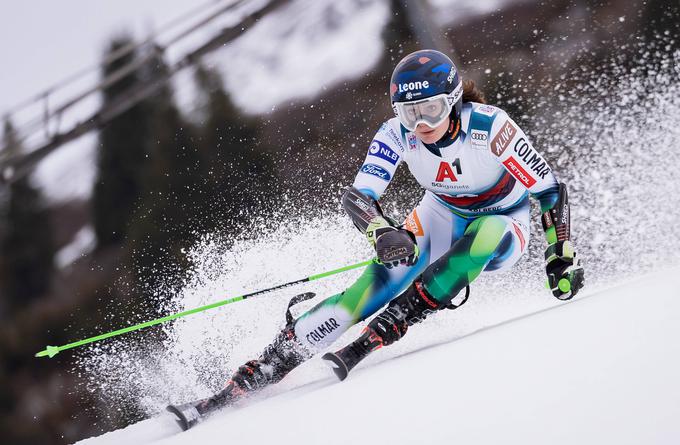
(476, 183)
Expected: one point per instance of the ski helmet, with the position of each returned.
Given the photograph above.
(425, 87)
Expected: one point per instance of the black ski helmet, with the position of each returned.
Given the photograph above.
(424, 74)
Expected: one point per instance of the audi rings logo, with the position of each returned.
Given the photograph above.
(479, 138)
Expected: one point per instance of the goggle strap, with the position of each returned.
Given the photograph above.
(456, 94)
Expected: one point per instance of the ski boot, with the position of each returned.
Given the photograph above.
(283, 355)
(409, 308)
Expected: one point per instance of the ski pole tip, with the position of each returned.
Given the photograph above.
(50, 351)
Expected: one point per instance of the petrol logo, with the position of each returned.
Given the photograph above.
(518, 172)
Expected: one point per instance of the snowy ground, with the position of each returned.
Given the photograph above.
(600, 369)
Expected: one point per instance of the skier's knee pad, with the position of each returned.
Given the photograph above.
(452, 272)
(486, 236)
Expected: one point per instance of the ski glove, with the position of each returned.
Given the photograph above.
(565, 273)
(393, 245)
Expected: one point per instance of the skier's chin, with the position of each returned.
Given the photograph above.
(428, 135)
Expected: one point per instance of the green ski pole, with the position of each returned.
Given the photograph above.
(51, 351)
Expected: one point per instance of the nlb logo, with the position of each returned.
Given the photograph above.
(412, 86)
(383, 151)
(376, 170)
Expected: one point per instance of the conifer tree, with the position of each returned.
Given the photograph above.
(122, 154)
(170, 215)
(26, 246)
(240, 170)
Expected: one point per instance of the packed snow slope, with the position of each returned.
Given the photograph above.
(600, 369)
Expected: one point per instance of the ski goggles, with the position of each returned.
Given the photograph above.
(431, 111)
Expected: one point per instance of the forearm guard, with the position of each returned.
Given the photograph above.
(556, 221)
(361, 208)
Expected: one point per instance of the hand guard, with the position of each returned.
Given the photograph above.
(565, 273)
(394, 246)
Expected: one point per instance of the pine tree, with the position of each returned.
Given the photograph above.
(26, 247)
(240, 170)
(199, 179)
(170, 217)
(122, 154)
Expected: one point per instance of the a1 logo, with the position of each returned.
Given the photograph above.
(446, 171)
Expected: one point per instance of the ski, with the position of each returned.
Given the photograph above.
(251, 377)
(340, 366)
(190, 414)
(187, 415)
(347, 358)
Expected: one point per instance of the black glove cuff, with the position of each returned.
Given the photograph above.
(561, 249)
(361, 208)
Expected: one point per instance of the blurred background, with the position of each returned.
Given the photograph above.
(132, 129)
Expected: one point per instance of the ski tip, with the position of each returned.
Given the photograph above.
(179, 418)
(337, 365)
(185, 416)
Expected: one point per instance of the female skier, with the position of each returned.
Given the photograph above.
(478, 169)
